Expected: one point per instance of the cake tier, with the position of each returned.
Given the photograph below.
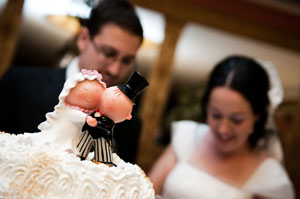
(27, 171)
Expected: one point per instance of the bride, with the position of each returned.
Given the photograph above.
(234, 155)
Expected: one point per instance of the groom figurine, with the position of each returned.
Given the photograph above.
(115, 106)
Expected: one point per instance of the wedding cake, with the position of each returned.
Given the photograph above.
(27, 171)
(53, 164)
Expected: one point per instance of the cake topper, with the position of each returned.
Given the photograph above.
(115, 106)
(80, 96)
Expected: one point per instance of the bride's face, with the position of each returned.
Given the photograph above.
(231, 119)
(86, 94)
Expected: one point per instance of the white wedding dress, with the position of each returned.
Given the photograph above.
(187, 182)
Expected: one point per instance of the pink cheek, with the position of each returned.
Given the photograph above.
(110, 108)
(76, 97)
(97, 99)
(81, 96)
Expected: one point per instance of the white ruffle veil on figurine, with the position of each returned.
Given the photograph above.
(63, 125)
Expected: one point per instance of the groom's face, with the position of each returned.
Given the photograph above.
(111, 52)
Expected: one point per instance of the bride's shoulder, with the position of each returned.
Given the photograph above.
(271, 179)
(188, 126)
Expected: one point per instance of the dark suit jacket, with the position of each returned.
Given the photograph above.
(27, 94)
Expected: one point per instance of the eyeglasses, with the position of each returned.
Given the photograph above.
(110, 55)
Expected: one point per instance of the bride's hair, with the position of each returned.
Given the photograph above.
(247, 77)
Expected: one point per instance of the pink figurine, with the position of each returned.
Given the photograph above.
(80, 96)
(116, 106)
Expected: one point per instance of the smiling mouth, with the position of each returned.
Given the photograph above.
(224, 138)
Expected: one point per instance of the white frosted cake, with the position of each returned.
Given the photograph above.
(27, 171)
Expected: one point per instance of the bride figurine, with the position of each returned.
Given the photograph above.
(80, 96)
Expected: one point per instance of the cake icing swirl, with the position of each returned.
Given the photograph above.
(27, 171)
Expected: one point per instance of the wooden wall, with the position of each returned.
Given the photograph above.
(10, 20)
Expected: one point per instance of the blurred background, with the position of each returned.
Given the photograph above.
(198, 32)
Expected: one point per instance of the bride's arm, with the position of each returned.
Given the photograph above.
(161, 169)
(76, 115)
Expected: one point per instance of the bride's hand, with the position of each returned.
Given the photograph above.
(91, 121)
